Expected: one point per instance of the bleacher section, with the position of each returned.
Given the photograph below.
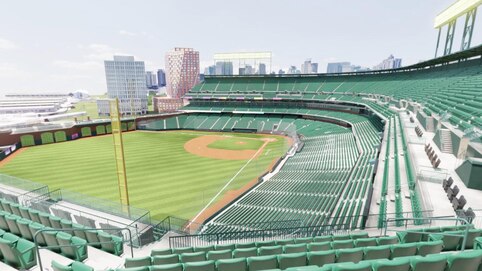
(419, 249)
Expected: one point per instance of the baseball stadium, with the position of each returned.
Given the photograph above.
(374, 170)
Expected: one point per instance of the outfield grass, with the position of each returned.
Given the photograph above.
(162, 177)
(237, 144)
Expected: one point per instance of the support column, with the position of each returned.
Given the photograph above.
(450, 37)
(468, 29)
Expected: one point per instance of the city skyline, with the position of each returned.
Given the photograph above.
(69, 56)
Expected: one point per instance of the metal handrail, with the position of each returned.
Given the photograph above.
(463, 221)
(38, 247)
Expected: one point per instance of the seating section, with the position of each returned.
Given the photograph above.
(21, 226)
(409, 250)
(73, 266)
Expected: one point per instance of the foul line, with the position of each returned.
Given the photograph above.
(229, 182)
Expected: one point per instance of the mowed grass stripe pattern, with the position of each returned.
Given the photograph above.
(163, 178)
(236, 144)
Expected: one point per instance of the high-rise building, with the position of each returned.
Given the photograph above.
(390, 63)
(309, 67)
(210, 70)
(126, 80)
(338, 67)
(182, 71)
(262, 68)
(151, 80)
(293, 70)
(224, 68)
(248, 69)
(161, 78)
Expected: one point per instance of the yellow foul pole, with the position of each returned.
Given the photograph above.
(119, 153)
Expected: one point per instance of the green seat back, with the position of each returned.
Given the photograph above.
(271, 250)
(51, 240)
(349, 255)
(24, 228)
(353, 267)
(93, 238)
(200, 266)
(66, 224)
(203, 248)
(324, 238)
(161, 251)
(246, 245)
(379, 252)
(285, 242)
(467, 261)
(321, 258)
(24, 212)
(110, 243)
(167, 267)
(262, 263)
(219, 254)
(305, 240)
(365, 242)
(165, 259)
(79, 231)
(34, 215)
(269, 243)
(402, 250)
(291, 260)
(358, 235)
(319, 246)
(56, 266)
(180, 250)
(400, 264)
(34, 228)
(79, 266)
(339, 244)
(193, 257)
(341, 237)
(432, 247)
(136, 262)
(225, 246)
(451, 240)
(238, 264)
(245, 252)
(409, 236)
(15, 207)
(44, 219)
(434, 262)
(55, 222)
(295, 248)
(12, 224)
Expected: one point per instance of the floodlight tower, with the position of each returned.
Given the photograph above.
(119, 153)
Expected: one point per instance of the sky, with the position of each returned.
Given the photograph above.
(59, 46)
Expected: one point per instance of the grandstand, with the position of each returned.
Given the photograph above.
(384, 173)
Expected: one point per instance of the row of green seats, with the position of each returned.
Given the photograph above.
(16, 251)
(466, 261)
(26, 222)
(70, 246)
(316, 257)
(73, 266)
(422, 234)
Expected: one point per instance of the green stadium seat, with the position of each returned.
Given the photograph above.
(342, 244)
(219, 255)
(272, 250)
(66, 224)
(319, 246)
(180, 250)
(167, 267)
(409, 236)
(478, 243)
(55, 222)
(473, 233)
(262, 263)
(204, 248)
(24, 212)
(3, 221)
(56, 266)
(165, 259)
(193, 257)
(321, 258)
(294, 248)
(399, 264)
(245, 252)
(285, 242)
(320, 239)
(365, 242)
(72, 247)
(291, 260)
(34, 227)
(226, 246)
(246, 245)
(19, 253)
(341, 237)
(161, 251)
(349, 255)
(451, 240)
(34, 215)
(15, 209)
(305, 240)
(378, 252)
(51, 240)
(466, 261)
(79, 231)
(93, 238)
(265, 243)
(200, 266)
(79, 266)
(425, 248)
(238, 264)
(434, 262)
(136, 262)
(357, 235)
(111, 243)
(12, 224)
(23, 226)
(353, 267)
(143, 268)
(44, 219)
(402, 250)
